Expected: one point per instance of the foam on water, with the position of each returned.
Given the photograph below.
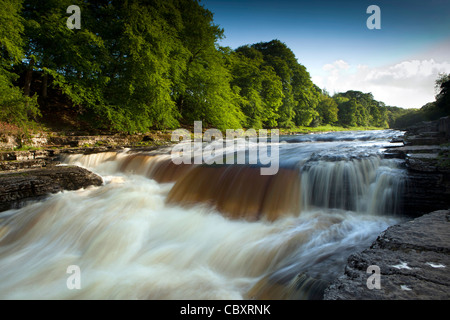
(130, 242)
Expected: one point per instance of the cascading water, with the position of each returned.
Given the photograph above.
(369, 185)
(156, 230)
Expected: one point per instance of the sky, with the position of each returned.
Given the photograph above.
(398, 63)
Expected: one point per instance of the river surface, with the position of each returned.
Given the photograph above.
(156, 230)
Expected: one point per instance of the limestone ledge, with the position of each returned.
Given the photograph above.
(19, 187)
(413, 259)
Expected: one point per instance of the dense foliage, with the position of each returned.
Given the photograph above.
(14, 106)
(139, 65)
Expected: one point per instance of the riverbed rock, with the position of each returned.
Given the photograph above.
(444, 126)
(426, 155)
(8, 142)
(19, 187)
(413, 259)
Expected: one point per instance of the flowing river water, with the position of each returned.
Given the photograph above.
(156, 230)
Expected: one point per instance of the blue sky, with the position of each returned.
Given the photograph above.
(397, 63)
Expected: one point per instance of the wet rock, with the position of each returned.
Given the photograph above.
(426, 155)
(26, 164)
(95, 141)
(427, 133)
(426, 192)
(422, 162)
(18, 187)
(397, 140)
(413, 259)
(16, 160)
(27, 155)
(444, 126)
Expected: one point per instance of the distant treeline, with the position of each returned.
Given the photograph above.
(431, 111)
(139, 65)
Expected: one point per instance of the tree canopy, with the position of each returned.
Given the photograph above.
(138, 65)
(14, 106)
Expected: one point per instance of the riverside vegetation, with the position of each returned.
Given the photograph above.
(138, 67)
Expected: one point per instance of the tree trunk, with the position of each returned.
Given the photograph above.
(180, 103)
(28, 78)
(44, 85)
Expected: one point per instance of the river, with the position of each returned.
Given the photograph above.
(156, 230)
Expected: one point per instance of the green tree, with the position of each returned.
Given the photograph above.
(443, 96)
(365, 111)
(308, 99)
(140, 71)
(278, 56)
(327, 109)
(379, 114)
(204, 92)
(73, 59)
(119, 69)
(14, 106)
(259, 87)
(348, 113)
(300, 98)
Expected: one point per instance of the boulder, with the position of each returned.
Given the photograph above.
(18, 187)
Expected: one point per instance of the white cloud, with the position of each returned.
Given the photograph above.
(407, 84)
(338, 64)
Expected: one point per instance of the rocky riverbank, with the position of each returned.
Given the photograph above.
(22, 186)
(413, 258)
(426, 154)
(53, 140)
(27, 175)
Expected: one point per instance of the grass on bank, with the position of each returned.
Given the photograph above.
(325, 128)
(160, 136)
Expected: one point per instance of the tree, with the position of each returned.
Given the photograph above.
(308, 98)
(278, 56)
(124, 68)
(143, 52)
(204, 92)
(379, 115)
(327, 109)
(300, 97)
(348, 113)
(74, 59)
(259, 87)
(443, 96)
(15, 107)
(365, 110)
(136, 65)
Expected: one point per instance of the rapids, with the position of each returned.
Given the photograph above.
(156, 230)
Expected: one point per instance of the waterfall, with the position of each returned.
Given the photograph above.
(239, 191)
(157, 167)
(369, 185)
(156, 230)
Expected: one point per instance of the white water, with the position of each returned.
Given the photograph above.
(130, 244)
